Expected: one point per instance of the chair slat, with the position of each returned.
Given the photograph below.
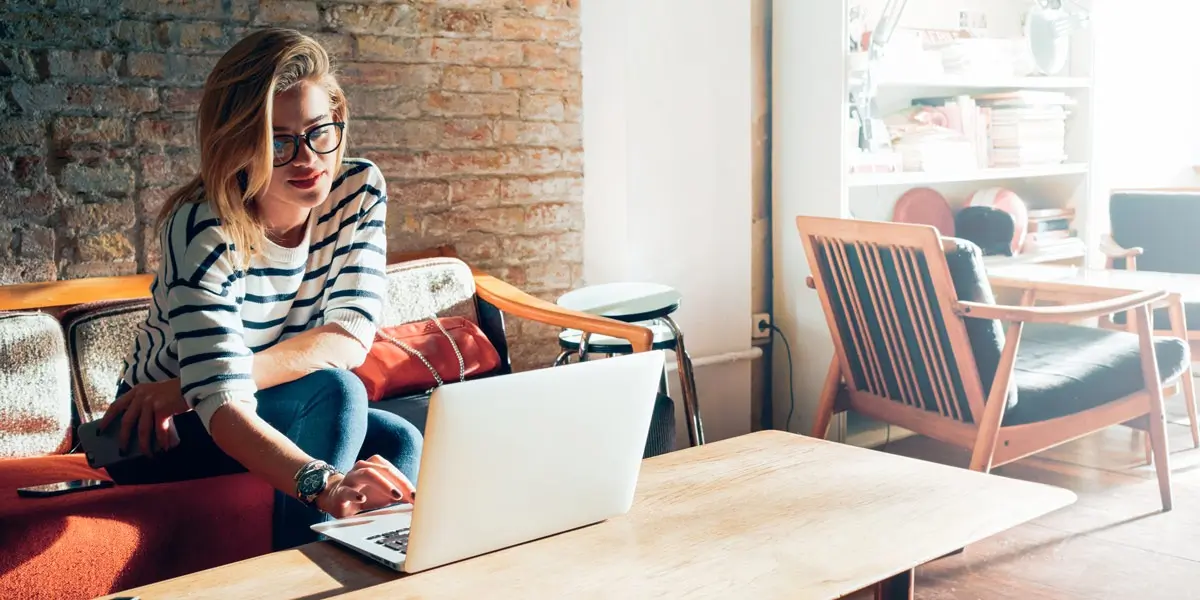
(874, 276)
(872, 358)
(837, 277)
(906, 362)
(940, 364)
(908, 270)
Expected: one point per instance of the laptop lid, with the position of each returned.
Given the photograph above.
(513, 458)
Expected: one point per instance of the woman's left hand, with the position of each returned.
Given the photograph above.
(148, 407)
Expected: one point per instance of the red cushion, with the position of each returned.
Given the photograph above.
(87, 544)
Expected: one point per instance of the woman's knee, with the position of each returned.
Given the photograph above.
(395, 439)
(337, 393)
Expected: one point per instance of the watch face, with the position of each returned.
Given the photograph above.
(312, 482)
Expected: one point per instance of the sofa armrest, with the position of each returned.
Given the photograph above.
(513, 301)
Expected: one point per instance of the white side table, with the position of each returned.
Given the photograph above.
(647, 304)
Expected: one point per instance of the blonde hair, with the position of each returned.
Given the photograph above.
(237, 99)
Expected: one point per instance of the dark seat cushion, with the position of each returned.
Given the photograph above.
(1162, 224)
(661, 439)
(1162, 320)
(1065, 369)
(965, 262)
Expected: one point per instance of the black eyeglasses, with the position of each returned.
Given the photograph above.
(321, 139)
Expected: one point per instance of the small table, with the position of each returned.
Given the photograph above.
(636, 302)
(764, 515)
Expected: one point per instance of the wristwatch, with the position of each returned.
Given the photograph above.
(311, 480)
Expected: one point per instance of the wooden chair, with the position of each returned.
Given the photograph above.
(919, 343)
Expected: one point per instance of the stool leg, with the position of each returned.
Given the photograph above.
(583, 346)
(563, 358)
(687, 381)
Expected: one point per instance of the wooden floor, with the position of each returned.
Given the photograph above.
(1113, 543)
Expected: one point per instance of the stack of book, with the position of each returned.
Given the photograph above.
(1051, 230)
(1027, 128)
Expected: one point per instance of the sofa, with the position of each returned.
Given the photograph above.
(62, 346)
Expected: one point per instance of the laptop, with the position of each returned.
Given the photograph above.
(514, 458)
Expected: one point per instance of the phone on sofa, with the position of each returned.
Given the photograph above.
(63, 487)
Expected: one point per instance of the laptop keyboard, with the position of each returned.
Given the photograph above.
(393, 540)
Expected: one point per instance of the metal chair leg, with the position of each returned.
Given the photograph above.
(687, 381)
(563, 358)
(583, 346)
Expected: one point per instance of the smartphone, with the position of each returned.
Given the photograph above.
(63, 487)
(103, 448)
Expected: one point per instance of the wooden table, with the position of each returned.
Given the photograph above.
(768, 514)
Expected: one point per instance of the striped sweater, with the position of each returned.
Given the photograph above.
(207, 317)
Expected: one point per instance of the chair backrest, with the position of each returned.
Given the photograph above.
(1161, 223)
(888, 291)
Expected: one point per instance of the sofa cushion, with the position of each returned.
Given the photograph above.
(99, 336)
(419, 289)
(1064, 369)
(91, 543)
(35, 386)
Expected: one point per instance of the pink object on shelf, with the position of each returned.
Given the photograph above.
(1009, 202)
(925, 206)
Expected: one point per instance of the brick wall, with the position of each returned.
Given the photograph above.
(470, 107)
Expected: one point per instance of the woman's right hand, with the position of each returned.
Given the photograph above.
(370, 484)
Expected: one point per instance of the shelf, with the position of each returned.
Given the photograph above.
(1044, 256)
(920, 177)
(988, 83)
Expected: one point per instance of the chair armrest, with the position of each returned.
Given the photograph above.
(1111, 249)
(513, 301)
(1058, 314)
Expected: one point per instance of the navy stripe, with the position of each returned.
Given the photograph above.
(207, 331)
(195, 229)
(192, 308)
(354, 294)
(170, 240)
(357, 310)
(173, 354)
(137, 351)
(370, 224)
(295, 328)
(366, 187)
(329, 239)
(371, 209)
(162, 333)
(316, 273)
(191, 224)
(215, 378)
(265, 299)
(358, 168)
(207, 356)
(207, 263)
(357, 246)
(363, 270)
(274, 272)
(263, 324)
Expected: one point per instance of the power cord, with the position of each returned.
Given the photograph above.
(791, 378)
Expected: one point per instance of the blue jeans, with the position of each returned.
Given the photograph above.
(324, 413)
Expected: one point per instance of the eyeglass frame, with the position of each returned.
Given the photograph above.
(295, 137)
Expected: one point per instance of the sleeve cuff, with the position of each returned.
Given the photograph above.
(358, 326)
(208, 405)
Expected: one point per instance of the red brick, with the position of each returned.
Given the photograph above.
(452, 21)
(411, 135)
(394, 103)
(526, 133)
(550, 56)
(70, 130)
(515, 276)
(165, 169)
(184, 8)
(113, 178)
(542, 107)
(553, 218)
(99, 217)
(144, 65)
(552, 8)
(150, 254)
(539, 160)
(27, 271)
(546, 275)
(396, 165)
(382, 19)
(480, 4)
(572, 160)
(182, 99)
(475, 193)
(37, 242)
(134, 35)
(523, 28)
(150, 202)
(104, 247)
(469, 79)
(199, 37)
(14, 133)
(100, 269)
(280, 12)
(453, 104)
(468, 162)
(419, 196)
(504, 220)
(526, 249)
(88, 65)
(573, 106)
(120, 99)
(339, 46)
(420, 77)
(542, 189)
(403, 228)
(465, 133)
(478, 248)
(390, 49)
(475, 52)
(172, 133)
(540, 79)
(190, 68)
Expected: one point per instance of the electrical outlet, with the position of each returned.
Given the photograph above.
(757, 329)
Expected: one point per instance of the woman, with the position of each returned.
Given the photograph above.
(269, 290)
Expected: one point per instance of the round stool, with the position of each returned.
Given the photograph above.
(646, 304)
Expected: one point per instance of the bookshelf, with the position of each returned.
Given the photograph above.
(814, 70)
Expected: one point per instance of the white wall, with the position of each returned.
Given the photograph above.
(667, 174)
